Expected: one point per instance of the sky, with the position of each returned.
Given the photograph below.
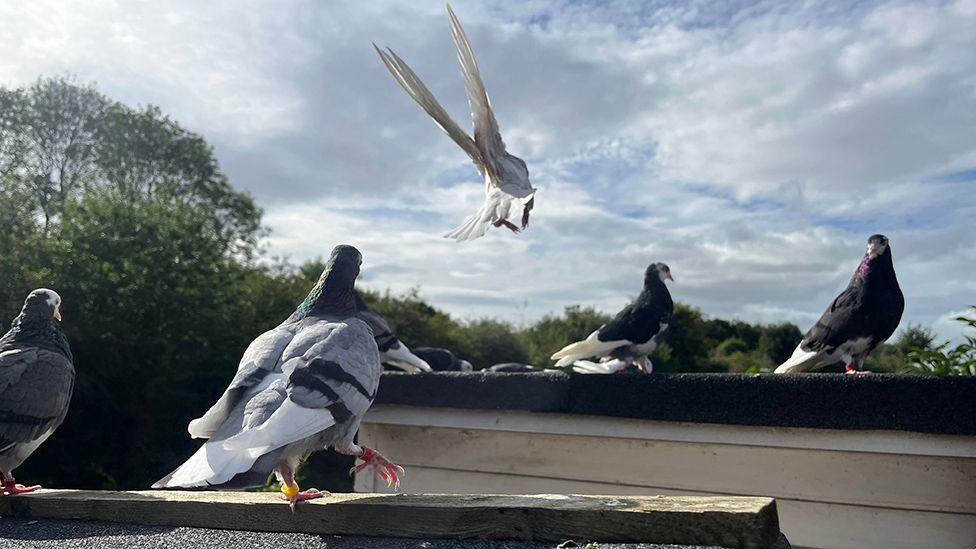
(753, 147)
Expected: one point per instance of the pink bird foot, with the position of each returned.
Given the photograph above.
(293, 496)
(11, 487)
(382, 467)
(850, 369)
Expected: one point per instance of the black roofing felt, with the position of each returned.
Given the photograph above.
(943, 405)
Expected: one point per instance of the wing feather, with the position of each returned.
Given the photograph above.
(417, 90)
(486, 133)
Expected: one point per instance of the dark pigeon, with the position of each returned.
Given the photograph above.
(862, 317)
(635, 332)
(442, 360)
(36, 380)
(301, 387)
(392, 350)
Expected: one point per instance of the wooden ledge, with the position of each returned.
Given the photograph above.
(712, 521)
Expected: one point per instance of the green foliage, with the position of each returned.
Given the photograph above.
(129, 217)
(946, 359)
(552, 333)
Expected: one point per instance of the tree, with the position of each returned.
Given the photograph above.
(945, 358)
(552, 333)
(777, 341)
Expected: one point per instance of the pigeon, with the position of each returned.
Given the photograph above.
(859, 319)
(443, 360)
(635, 332)
(36, 380)
(300, 387)
(392, 350)
(507, 187)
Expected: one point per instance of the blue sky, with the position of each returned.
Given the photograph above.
(751, 146)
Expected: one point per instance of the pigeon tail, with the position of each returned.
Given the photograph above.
(801, 361)
(474, 227)
(402, 357)
(591, 346)
(590, 367)
(209, 466)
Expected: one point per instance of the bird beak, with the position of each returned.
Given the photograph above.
(671, 278)
(872, 250)
(57, 315)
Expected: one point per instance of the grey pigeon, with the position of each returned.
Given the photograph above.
(634, 333)
(507, 188)
(36, 379)
(300, 387)
(392, 350)
(862, 317)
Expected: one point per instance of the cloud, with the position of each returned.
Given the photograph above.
(753, 147)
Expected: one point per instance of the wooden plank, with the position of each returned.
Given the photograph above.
(883, 442)
(720, 521)
(853, 478)
(805, 523)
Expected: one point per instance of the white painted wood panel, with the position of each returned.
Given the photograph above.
(805, 523)
(855, 478)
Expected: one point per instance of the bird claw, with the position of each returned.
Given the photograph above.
(12, 488)
(382, 467)
(506, 223)
(304, 495)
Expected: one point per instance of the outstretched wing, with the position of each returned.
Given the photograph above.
(260, 358)
(334, 382)
(35, 390)
(416, 89)
(486, 133)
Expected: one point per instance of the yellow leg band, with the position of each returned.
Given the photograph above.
(289, 491)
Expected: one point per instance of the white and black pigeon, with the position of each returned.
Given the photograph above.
(392, 350)
(859, 319)
(300, 387)
(36, 379)
(634, 333)
(508, 191)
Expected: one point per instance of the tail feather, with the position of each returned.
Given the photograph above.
(402, 357)
(590, 367)
(802, 360)
(209, 466)
(589, 347)
(474, 227)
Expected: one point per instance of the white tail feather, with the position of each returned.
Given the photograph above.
(403, 358)
(590, 367)
(589, 347)
(801, 361)
(210, 465)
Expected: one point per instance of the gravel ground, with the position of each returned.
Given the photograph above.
(76, 534)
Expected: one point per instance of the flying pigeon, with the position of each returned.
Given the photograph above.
(507, 187)
(635, 332)
(862, 317)
(302, 386)
(392, 350)
(36, 379)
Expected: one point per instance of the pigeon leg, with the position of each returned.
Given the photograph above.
(382, 467)
(290, 490)
(11, 487)
(511, 226)
(851, 369)
(525, 212)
